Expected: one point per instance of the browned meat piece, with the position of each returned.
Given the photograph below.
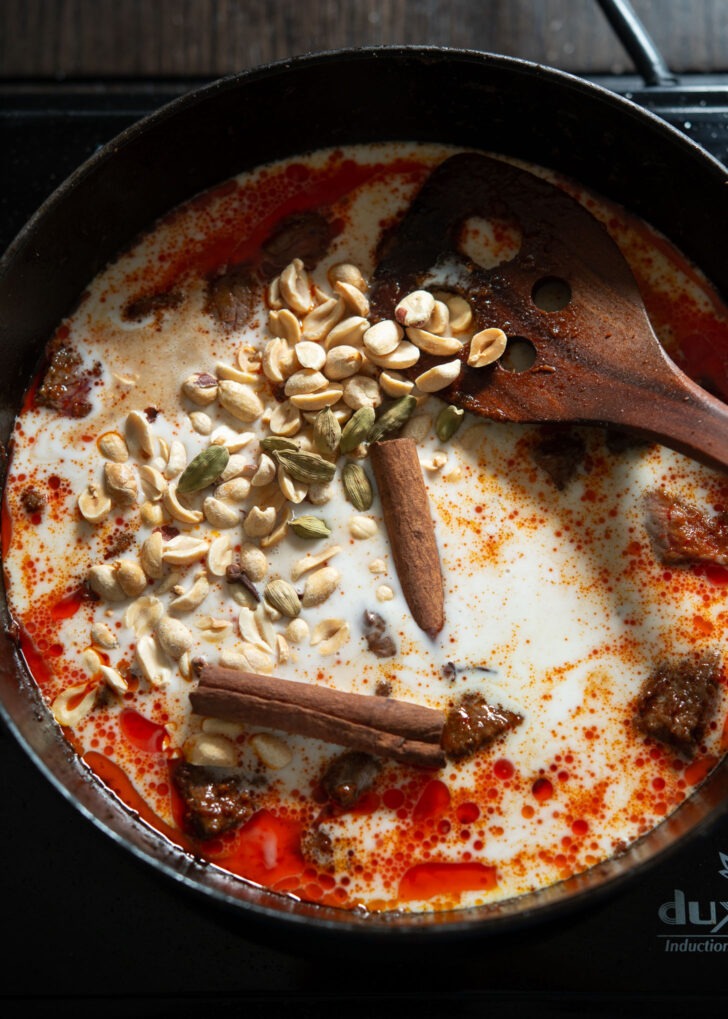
(473, 724)
(349, 776)
(32, 500)
(215, 801)
(379, 640)
(618, 441)
(317, 847)
(683, 533)
(676, 700)
(305, 235)
(559, 454)
(230, 297)
(66, 384)
(151, 304)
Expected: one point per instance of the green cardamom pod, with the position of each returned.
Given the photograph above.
(448, 421)
(357, 486)
(310, 468)
(326, 432)
(272, 443)
(205, 468)
(309, 527)
(282, 596)
(356, 429)
(393, 418)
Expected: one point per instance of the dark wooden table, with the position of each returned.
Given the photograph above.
(208, 38)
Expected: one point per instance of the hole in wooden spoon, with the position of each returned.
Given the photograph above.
(519, 355)
(489, 242)
(551, 293)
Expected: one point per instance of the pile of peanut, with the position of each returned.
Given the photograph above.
(322, 354)
(326, 352)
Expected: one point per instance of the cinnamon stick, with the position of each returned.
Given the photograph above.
(405, 732)
(408, 519)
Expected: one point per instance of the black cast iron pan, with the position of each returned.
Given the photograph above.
(425, 94)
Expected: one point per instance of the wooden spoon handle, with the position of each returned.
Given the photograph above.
(683, 417)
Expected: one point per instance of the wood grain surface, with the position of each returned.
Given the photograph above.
(181, 38)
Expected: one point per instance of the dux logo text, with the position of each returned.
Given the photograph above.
(703, 924)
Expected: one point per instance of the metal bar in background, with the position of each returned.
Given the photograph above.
(638, 42)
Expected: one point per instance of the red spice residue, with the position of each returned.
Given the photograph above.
(119, 783)
(434, 801)
(143, 734)
(429, 880)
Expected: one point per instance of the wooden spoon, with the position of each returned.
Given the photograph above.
(596, 360)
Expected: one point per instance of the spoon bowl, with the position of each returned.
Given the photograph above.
(581, 348)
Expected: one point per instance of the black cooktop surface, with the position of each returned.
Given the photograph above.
(90, 927)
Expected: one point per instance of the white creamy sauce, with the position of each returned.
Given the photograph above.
(547, 614)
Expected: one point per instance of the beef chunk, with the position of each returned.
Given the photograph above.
(305, 235)
(151, 304)
(682, 533)
(214, 800)
(32, 500)
(349, 776)
(473, 724)
(676, 700)
(559, 454)
(66, 383)
(618, 441)
(379, 641)
(230, 297)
